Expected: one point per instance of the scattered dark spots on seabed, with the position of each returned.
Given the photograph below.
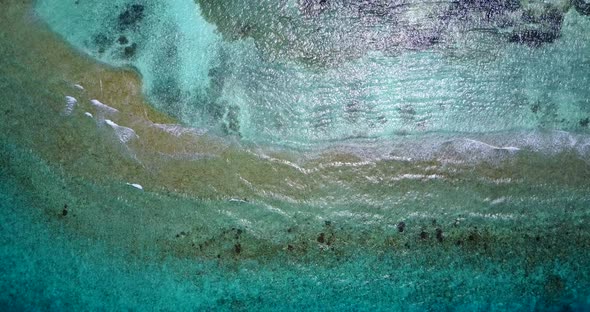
(101, 41)
(122, 40)
(231, 126)
(313, 7)
(554, 285)
(401, 227)
(470, 240)
(423, 235)
(439, 235)
(322, 238)
(129, 51)
(132, 15)
(582, 6)
(423, 41)
(551, 18)
(238, 233)
(473, 236)
(166, 90)
(533, 38)
(585, 122)
(492, 6)
(64, 212)
(326, 239)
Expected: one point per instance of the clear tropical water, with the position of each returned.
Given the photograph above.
(295, 155)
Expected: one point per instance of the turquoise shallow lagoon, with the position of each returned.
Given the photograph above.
(294, 155)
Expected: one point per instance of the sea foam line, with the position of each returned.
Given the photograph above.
(70, 105)
(103, 107)
(508, 148)
(123, 133)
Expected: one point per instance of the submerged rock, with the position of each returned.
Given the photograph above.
(101, 42)
(533, 37)
(129, 51)
(582, 6)
(131, 16)
(122, 40)
(538, 27)
(439, 235)
(321, 238)
(423, 235)
(329, 32)
(401, 227)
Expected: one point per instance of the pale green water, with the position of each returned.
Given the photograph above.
(233, 222)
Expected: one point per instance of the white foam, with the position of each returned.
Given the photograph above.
(70, 105)
(508, 148)
(123, 133)
(495, 216)
(79, 87)
(135, 185)
(177, 130)
(423, 177)
(497, 201)
(237, 200)
(263, 156)
(103, 107)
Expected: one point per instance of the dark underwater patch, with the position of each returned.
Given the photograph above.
(232, 123)
(122, 40)
(167, 91)
(324, 33)
(313, 7)
(130, 51)
(102, 42)
(131, 17)
(544, 28)
(533, 37)
(582, 6)
(492, 7)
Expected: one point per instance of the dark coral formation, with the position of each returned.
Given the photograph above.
(131, 17)
(331, 31)
(582, 6)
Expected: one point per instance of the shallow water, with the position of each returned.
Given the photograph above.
(294, 79)
(270, 180)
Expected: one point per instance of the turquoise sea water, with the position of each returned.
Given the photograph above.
(390, 156)
(117, 249)
(348, 72)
